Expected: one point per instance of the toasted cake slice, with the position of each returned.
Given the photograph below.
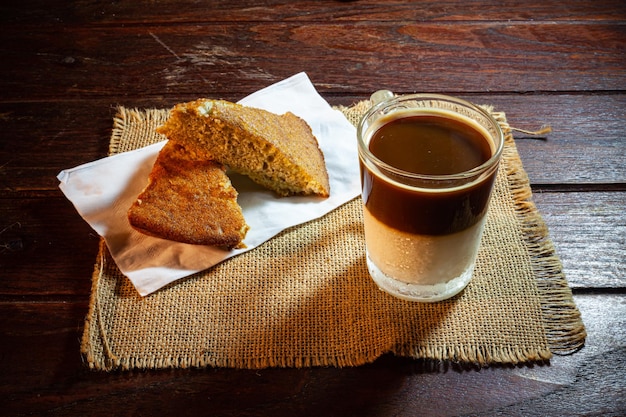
(189, 200)
(278, 152)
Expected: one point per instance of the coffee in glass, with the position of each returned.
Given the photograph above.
(428, 165)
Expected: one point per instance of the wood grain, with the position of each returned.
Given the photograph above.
(59, 135)
(589, 234)
(48, 249)
(189, 11)
(239, 58)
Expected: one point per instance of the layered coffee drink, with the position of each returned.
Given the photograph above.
(427, 172)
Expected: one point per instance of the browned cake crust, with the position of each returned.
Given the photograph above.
(189, 200)
(278, 152)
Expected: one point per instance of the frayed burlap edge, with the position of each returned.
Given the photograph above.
(565, 330)
(94, 321)
(125, 117)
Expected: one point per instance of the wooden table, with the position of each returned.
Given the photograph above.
(66, 65)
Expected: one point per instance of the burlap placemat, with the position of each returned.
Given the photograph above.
(305, 298)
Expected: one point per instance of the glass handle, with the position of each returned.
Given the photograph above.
(380, 96)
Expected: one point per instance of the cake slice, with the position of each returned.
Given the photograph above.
(190, 200)
(278, 152)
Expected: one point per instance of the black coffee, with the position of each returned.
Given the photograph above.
(430, 145)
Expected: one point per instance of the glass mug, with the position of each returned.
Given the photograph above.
(428, 164)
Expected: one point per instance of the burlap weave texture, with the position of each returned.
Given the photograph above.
(305, 298)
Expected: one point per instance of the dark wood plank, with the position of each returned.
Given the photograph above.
(51, 135)
(586, 145)
(43, 375)
(62, 134)
(589, 234)
(237, 58)
(173, 11)
(46, 249)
